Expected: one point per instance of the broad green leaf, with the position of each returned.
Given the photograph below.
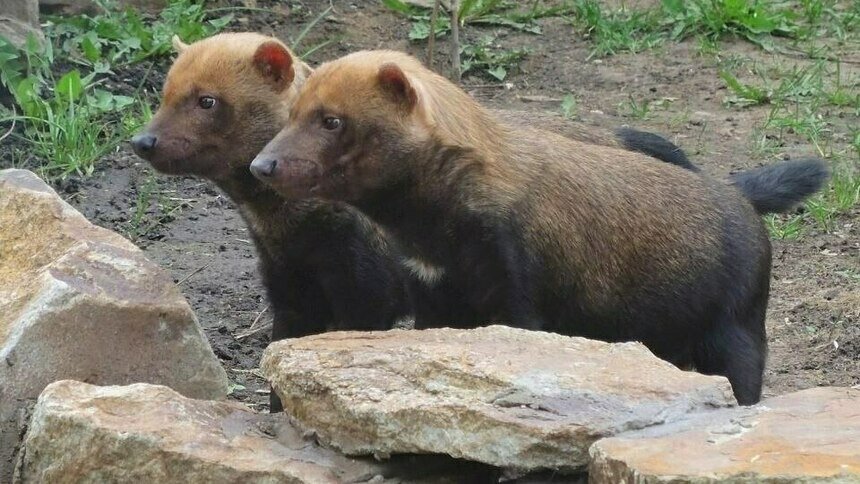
(420, 30)
(398, 6)
(221, 22)
(498, 72)
(101, 100)
(69, 86)
(88, 46)
(121, 102)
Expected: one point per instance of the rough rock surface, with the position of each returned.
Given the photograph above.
(78, 301)
(19, 18)
(502, 396)
(147, 433)
(803, 437)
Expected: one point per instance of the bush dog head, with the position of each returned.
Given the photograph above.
(343, 125)
(224, 98)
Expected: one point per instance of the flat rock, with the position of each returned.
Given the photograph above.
(80, 302)
(506, 397)
(145, 433)
(803, 437)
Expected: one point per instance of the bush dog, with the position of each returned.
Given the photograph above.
(324, 265)
(537, 230)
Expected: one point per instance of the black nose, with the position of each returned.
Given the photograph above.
(143, 143)
(263, 167)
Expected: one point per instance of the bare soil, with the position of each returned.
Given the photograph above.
(195, 232)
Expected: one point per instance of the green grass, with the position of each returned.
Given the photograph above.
(615, 31)
(569, 106)
(755, 21)
(118, 37)
(815, 102)
(839, 198)
(478, 12)
(484, 56)
(488, 57)
(297, 41)
(72, 121)
(637, 109)
(153, 208)
(784, 228)
(821, 83)
(66, 121)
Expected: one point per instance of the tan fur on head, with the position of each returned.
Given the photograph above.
(249, 82)
(224, 62)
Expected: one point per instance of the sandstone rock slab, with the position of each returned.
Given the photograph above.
(502, 396)
(809, 436)
(80, 302)
(82, 433)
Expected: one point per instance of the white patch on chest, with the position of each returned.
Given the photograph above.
(424, 271)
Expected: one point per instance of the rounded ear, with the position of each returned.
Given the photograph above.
(275, 63)
(394, 81)
(178, 44)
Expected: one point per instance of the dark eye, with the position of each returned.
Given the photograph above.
(331, 123)
(206, 102)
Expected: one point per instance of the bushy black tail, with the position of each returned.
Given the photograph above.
(654, 146)
(770, 189)
(779, 187)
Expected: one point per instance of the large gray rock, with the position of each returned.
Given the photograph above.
(80, 302)
(18, 19)
(502, 396)
(809, 436)
(144, 433)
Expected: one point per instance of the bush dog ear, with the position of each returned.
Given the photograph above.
(394, 81)
(178, 44)
(275, 63)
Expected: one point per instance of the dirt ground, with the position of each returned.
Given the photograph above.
(196, 233)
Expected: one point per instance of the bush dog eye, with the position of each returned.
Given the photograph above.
(543, 232)
(331, 123)
(206, 102)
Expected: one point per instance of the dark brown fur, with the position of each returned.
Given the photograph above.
(538, 230)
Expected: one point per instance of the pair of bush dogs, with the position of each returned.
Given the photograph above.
(377, 190)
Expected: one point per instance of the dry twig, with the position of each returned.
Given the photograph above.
(192, 273)
(254, 329)
(431, 41)
(455, 40)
